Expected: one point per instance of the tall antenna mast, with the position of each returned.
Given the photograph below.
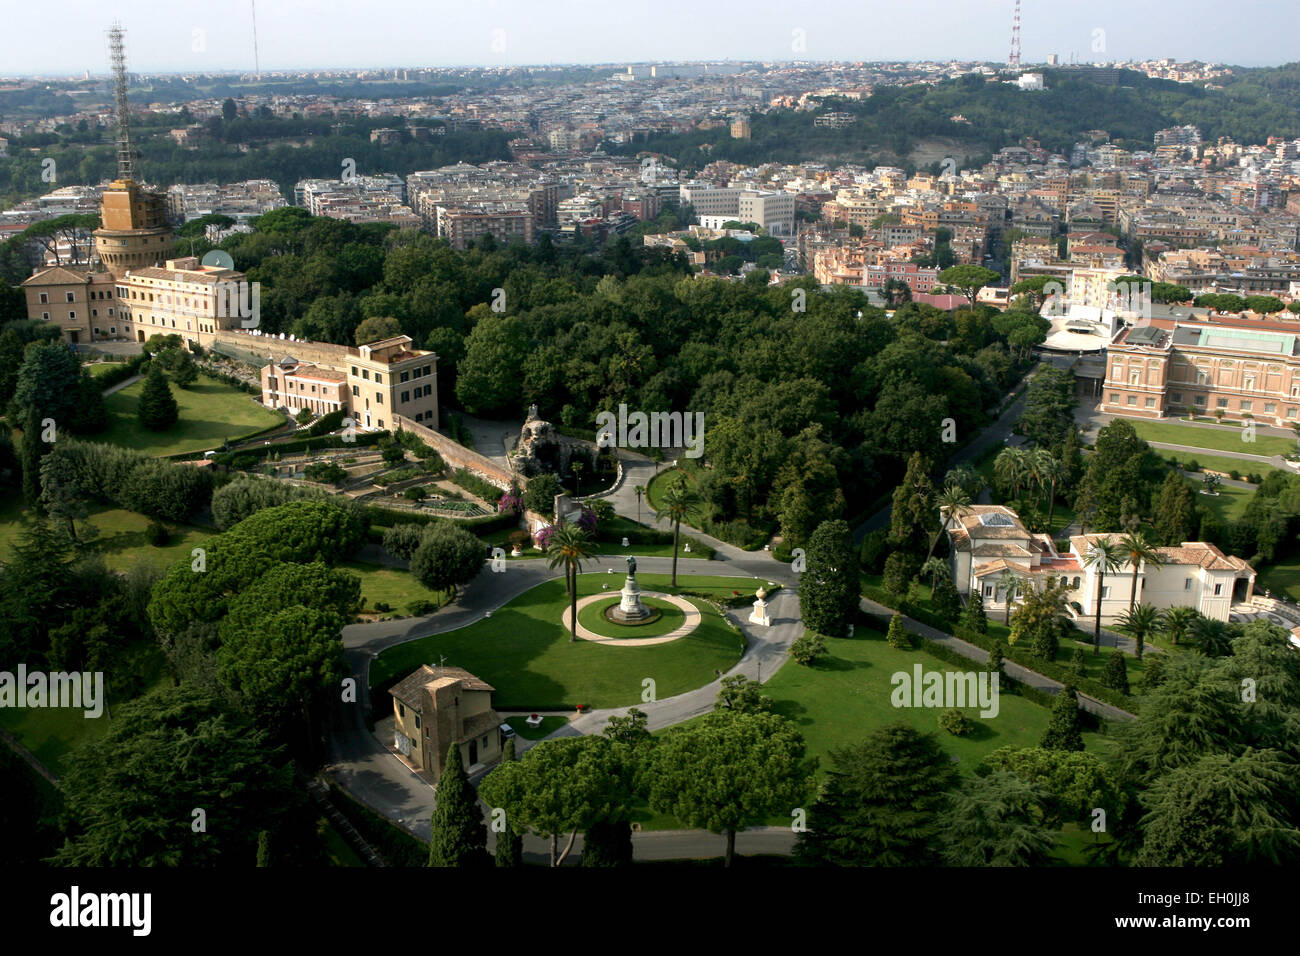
(1014, 58)
(125, 153)
(257, 65)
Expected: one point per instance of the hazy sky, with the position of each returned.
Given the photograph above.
(163, 35)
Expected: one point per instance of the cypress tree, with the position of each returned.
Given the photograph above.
(897, 635)
(30, 453)
(264, 848)
(510, 845)
(996, 665)
(1079, 663)
(973, 617)
(157, 410)
(828, 590)
(1062, 731)
(458, 836)
(1115, 672)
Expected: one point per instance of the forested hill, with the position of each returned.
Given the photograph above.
(893, 123)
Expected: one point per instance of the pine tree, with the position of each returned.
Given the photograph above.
(913, 512)
(1115, 672)
(158, 410)
(458, 836)
(973, 617)
(1072, 458)
(1062, 731)
(897, 635)
(510, 845)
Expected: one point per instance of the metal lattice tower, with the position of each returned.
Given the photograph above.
(1013, 59)
(125, 152)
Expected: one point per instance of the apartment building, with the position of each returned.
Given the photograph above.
(774, 211)
(371, 382)
(987, 541)
(185, 297)
(1245, 369)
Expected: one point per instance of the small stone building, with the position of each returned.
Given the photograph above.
(435, 706)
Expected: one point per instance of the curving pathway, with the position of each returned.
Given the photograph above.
(587, 634)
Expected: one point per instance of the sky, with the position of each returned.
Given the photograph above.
(300, 34)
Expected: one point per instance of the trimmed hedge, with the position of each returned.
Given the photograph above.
(121, 372)
(476, 485)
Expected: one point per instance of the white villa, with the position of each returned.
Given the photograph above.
(988, 540)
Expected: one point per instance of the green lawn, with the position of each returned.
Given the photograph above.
(99, 368)
(847, 694)
(1221, 463)
(1229, 504)
(671, 617)
(662, 480)
(548, 726)
(120, 540)
(210, 411)
(1281, 579)
(392, 586)
(526, 654)
(1216, 437)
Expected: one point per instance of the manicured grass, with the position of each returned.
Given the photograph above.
(100, 368)
(1229, 504)
(847, 694)
(210, 411)
(670, 618)
(665, 478)
(1246, 466)
(392, 586)
(549, 725)
(1212, 436)
(1281, 579)
(121, 538)
(525, 653)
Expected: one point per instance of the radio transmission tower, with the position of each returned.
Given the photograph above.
(125, 152)
(257, 66)
(1013, 59)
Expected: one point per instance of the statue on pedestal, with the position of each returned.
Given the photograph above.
(630, 608)
(759, 614)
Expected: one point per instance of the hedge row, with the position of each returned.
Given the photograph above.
(123, 371)
(394, 844)
(1022, 656)
(476, 485)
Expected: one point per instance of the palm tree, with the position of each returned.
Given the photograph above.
(1011, 468)
(954, 501)
(576, 468)
(1008, 581)
(1138, 550)
(1139, 622)
(679, 503)
(640, 493)
(1051, 472)
(936, 568)
(1213, 638)
(1178, 621)
(570, 546)
(1107, 557)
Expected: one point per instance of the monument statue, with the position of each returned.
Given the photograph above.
(630, 608)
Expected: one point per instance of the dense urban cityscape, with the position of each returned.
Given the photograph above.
(760, 464)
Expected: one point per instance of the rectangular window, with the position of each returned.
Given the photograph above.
(1151, 403)
(406, 397)
(71, 297)
(45, 298)
(1270, 408)
(354, 371)
(406, 376)
(1222, 403)
(45, 316)
(72, 314)
(355, 390)
(1176, 396)
(1247, 406)
(428, 390)
(1187, 583)
(1105, 592)
(1113, 398)
(379, 398)
(417, 721)
(1218, 590)
(365, 373)
(1200, 400)
(381, 423)
(379, 378)
(1132, 400)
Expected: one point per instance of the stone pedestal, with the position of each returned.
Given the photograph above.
(759, 614)
(630, 608)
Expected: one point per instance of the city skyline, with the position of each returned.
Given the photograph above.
(579, 32)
